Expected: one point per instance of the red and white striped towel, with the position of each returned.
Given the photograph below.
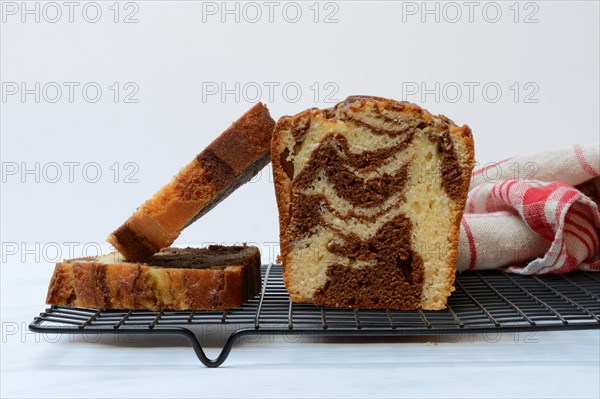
(534, 214)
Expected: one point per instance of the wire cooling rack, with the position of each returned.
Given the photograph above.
(483, 301)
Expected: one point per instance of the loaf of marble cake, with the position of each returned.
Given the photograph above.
(231, 160)
(217, 277)
(370, 196)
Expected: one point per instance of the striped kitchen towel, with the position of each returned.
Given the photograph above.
(534, 214)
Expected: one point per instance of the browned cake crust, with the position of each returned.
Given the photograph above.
(398, 278)
(216, 277)
(229, 161)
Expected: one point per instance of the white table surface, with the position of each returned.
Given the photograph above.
(542, 364)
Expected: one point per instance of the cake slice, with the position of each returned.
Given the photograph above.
(370, 196)
(216, 277)
(231, 160)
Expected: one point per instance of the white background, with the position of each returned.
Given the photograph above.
(176, 50)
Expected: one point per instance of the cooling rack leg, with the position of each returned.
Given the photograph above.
(193, 340)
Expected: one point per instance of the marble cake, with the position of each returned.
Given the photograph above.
(231, 160)
(216, 277)
(370, 195)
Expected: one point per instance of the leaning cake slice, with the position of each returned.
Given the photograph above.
(231, 160)
(216, 277)
(370, 196)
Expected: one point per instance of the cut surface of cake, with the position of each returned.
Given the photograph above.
(229, 161)
(370, 196)
(217, 277)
